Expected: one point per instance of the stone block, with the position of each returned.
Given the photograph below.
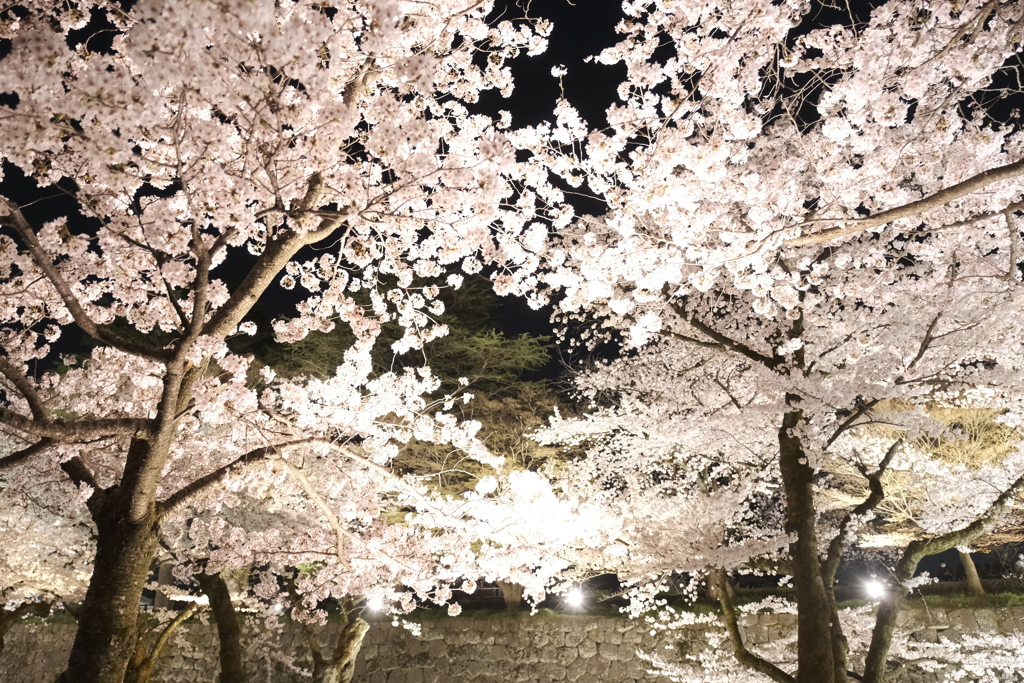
(986, 619)
(414, 676)
(963, 620)
(925, 635)
(574, 637)
(540, 639)
(787, 620)
(608, 651)
(596, 635)
(436, 649)
(951, 634)
(576, 673)
(633, 637)
(587, 648)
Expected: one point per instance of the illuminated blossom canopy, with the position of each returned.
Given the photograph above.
(826, 217)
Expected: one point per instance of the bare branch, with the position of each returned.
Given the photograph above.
(24, 386)
(961, 189)
(84, 430)
(24, 454)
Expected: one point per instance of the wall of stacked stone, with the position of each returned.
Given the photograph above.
(464, 650)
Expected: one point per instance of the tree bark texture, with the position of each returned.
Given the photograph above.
(232, 667)
(815, 658)
(107, 626)
(972, 583)
(341, 667)
(165, 579)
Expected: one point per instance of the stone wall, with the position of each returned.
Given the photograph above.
(465, 650)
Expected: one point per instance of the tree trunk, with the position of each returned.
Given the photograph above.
(107, 624)
(513, 594)
(815, 662)
(971, 581)
(232, 669)
(165, 581)
(342, 665)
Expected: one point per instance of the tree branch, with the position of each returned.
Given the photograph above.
(857, 414)
(885, 621)
(84, 430)
(101, 332)
(740, 651)
(187, 493)
(274, 257)
(877, 494)
(79, 473)
(18, 457)
(21, 383)
(961, 189)
(721, 340)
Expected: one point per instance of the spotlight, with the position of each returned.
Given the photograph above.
(574, 598)
(875, 589)
(375, 604)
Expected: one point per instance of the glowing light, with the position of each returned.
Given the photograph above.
(875, 589)
(375, 604)
(574, 598)
(198, 599)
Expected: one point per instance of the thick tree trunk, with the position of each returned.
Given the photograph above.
(513, 594)
(107, 624)
(342, 665)
(972, 583)
(815, 660)
(232, 668)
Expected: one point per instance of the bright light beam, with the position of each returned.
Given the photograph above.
(875, 589)
(375, 604)
(574, 598)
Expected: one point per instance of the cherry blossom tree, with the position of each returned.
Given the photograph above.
(814, 221)
(210, 145)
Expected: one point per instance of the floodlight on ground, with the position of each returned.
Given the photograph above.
(574, 598)
(375, 604)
